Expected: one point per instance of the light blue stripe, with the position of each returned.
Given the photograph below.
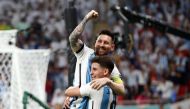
(105, 98)
(84, 103)
(71, 102)
(85, 100)
(88, 75)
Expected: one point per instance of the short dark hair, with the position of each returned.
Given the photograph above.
(104, 61)
(109, 33)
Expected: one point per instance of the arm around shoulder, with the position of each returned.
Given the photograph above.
(116, 86)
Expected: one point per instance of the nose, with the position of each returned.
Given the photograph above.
(92, 73)
(101, 44)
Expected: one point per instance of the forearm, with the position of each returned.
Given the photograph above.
(118, 88)
(72, 91)
(74, 40)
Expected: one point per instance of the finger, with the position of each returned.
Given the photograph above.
(92, 82)
(95, 86)
(99, 86)
(67, 98)
(66, 103)
(93, 11)
(67, 106)
(95, 14)
(64, 106)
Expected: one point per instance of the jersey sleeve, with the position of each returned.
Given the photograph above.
(83, 52)
(115, 75)
(85, 90)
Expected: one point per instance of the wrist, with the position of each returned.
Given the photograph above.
(109, 82)
(85, 19)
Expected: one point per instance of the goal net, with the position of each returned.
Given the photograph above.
(21, 70)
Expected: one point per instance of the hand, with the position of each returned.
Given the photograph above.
(66, 103)
(92, 14)
(98, 83)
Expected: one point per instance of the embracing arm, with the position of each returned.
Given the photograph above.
(116, 85)
(114, 82)
(74, 40)
(70, 92)
(73, 91)
(84, 90)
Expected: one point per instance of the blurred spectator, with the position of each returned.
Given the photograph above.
(165, 89)
(58, 99)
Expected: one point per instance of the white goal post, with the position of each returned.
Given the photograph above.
(21, 70)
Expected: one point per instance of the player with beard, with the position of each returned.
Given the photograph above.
(104, 45)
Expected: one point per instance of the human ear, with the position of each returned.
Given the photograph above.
(106, 71)
(112, 47)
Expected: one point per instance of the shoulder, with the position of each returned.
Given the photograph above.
(85, 90)
(115, 75)
(85, 50)
(115, 71)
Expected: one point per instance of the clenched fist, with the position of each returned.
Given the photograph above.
(92, 14)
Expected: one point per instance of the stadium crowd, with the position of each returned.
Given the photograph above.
(158, 67)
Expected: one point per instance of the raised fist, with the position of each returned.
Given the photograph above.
(92, 14)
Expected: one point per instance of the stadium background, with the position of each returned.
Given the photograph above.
(155, 72)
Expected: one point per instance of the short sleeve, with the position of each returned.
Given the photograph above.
(115, 75)
(84, 51)
(85, 90)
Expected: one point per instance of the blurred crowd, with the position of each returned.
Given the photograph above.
(157, 69)
(158, 66)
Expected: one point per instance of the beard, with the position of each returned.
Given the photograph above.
(101, 51)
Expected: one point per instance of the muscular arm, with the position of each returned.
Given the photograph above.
(74, 40)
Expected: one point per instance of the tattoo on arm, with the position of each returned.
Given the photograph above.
(74, 40)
